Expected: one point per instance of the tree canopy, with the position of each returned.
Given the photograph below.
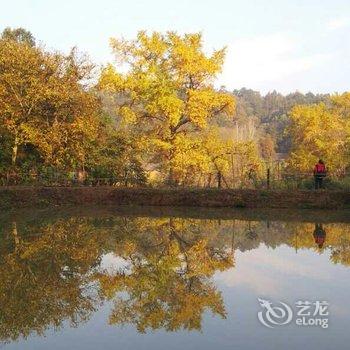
(321, 131)
(155, 117)
(166, 93)
(20, 35)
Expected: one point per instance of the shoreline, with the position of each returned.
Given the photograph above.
(14, 197)
(31, 214)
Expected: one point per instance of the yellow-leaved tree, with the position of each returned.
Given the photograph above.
(321, 131)
(163, 92)
(45, 103)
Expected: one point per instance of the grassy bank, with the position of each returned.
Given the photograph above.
(21, 197)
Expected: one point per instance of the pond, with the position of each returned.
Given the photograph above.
(151, 278)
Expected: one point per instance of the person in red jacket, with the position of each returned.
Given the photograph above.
(319, 235)
(320, 173)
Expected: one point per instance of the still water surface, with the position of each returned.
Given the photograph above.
(105, 279)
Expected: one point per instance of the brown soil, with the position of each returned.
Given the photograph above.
(19, 197)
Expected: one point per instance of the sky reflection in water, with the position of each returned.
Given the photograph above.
(112, 281)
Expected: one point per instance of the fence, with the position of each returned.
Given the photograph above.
(269, 179)
(57, 179)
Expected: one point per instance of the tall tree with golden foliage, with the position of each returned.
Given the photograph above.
(164, 91)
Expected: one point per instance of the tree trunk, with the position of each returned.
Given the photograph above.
(15, 235)
(15, 150)
(219, 179)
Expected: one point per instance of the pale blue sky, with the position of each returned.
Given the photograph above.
(285, 45)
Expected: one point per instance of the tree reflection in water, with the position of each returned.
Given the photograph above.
(51, 272)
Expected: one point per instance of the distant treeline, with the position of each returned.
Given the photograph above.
(270, 112)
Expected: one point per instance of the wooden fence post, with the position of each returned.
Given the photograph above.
(219, 179)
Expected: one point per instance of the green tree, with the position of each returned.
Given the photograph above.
(19, 35)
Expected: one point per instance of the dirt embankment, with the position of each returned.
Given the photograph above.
(18, 197)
